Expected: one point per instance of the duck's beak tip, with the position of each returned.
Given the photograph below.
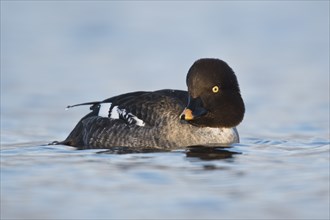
(187, 115)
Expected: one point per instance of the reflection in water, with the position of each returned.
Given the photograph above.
(210, 153)
(201, 152)
(131, 150)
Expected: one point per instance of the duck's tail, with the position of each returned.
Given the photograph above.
(86, 103)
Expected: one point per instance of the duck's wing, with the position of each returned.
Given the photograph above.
(111, 118)
(131, 107)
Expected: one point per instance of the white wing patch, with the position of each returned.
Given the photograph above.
(104, 109)
(114, 112)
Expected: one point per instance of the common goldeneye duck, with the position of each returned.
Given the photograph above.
(167, 119)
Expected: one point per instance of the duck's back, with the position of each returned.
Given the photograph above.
(135, 119)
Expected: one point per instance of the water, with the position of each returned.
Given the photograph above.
(280, 52)
(266, 179)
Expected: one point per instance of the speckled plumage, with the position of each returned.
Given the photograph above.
(159, 123)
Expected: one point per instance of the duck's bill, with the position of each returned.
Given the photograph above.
(187, 115)
(193, 110)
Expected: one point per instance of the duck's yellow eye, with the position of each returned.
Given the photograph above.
(215, 89)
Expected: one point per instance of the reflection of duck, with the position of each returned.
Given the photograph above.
(132, 150)
(200, 152)
(210, 153)
(210, 110)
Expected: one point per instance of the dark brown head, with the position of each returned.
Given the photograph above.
(214, 95)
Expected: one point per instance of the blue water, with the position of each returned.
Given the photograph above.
(58, 53)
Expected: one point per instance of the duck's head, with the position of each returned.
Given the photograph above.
(214, 95)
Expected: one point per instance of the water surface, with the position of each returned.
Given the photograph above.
(257, 179)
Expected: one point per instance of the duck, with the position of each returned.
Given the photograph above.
(205, 115)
